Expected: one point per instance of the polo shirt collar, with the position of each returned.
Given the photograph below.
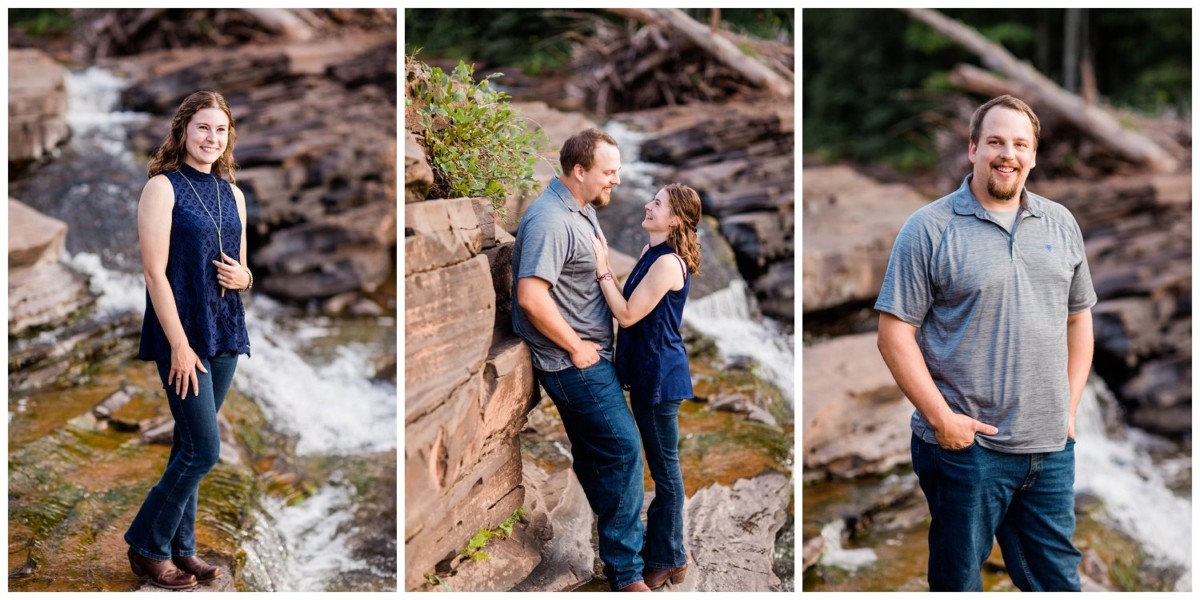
(564, 195)
(965, 202)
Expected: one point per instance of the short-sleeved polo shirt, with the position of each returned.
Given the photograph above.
(554, 243)
(991, 307)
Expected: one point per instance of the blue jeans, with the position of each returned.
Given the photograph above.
(606, 455)
(165, 526)
(1025, 501)
(659, 426)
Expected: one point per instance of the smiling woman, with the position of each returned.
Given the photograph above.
(193, 250)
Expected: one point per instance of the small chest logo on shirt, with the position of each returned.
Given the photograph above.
(1049, 248)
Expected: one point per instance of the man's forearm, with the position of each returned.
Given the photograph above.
(543, 313)
(1080, 346)
(898, 346)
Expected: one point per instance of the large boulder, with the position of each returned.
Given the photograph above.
(856, 419)
(850, 223)
(730, 532)
(37, 104)
(41, 290)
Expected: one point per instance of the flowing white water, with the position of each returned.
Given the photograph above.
(835, 555)
(725, 316)
(1134, 489)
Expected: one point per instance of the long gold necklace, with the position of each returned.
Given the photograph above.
(216, 222)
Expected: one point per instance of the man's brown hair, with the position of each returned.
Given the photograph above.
(580, 149)
(1005, 101)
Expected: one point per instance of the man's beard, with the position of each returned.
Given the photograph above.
(1001, 193)
(601, 200)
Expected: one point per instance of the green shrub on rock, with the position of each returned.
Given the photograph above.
(477, 144)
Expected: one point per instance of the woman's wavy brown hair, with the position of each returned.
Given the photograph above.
(685, 204)
(170, 154)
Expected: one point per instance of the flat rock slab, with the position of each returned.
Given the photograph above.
(850, 224)
(37, 104)
(856, 419)
(730, 533)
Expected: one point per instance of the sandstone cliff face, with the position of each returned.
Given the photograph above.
(468, 381)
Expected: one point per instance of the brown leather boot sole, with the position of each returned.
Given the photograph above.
(203, 571)
(656, 578)
(161, 575)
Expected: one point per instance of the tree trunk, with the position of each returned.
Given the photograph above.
(715, 44)
(1099, 124)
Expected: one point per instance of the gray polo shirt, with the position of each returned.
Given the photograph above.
(992, 311)
(554, 243)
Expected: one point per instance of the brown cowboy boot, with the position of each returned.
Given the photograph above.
(160, 572)
(203, 571)
(656, 578)
(637, 586)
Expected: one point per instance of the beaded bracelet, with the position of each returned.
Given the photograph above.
(608, 276)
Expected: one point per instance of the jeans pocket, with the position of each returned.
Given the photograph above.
(963, 450)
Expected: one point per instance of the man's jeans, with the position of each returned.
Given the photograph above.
(1026, 501)
(607, 457)
(165, 526)
(659, 426)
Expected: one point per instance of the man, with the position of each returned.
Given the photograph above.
(561, 312)
(985, 323)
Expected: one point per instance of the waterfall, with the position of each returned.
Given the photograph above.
(1134, 489)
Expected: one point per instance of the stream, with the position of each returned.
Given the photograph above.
(1133, 509)
(315, 378)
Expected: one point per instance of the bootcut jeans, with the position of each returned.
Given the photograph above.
(1025, 501)
(606, 454)
(659, 427)
(165, 526)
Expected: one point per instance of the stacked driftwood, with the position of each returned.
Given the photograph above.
(103, 33)
(660, 57)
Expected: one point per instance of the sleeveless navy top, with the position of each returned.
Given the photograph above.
(651, 360)
(213, 324)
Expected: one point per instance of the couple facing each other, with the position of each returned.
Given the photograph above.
(566, 300)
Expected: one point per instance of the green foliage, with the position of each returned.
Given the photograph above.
(530, 39)
(477, 144)
(535, 40)
(474, 549)
(41, 22)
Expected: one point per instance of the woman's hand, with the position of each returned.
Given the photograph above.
(184, 363)
(600, 247)
(230, 273)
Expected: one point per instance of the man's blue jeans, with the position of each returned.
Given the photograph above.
(607, 457)
(165, 526)
(659, 426)
(1025, 501)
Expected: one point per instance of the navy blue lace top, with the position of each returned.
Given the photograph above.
(213, 324)
(651, 360)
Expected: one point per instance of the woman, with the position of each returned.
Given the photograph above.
(651, 362)
(193, 246)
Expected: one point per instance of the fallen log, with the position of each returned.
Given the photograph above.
(716, 45)
(1103, 127)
